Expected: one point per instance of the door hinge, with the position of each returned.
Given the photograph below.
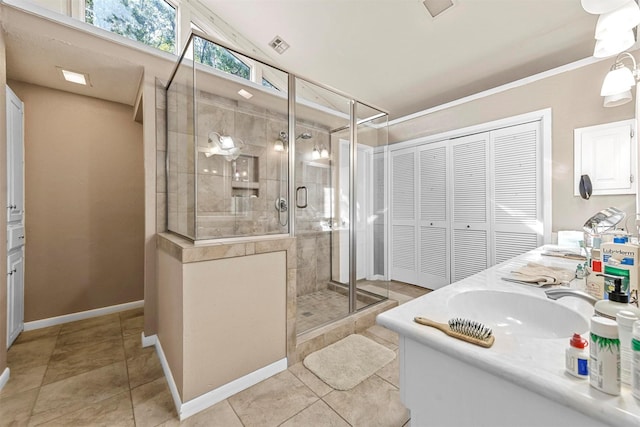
(631, 178)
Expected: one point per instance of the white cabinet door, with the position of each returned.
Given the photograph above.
(517, 185)
(607, 153)
(15, 295)
(15, 157)
(470, 214)
(403, 216)
(433, 217)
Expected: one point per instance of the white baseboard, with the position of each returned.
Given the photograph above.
(4, 378)
(219, 394)
(52, 321)
(200, 403)
(148, 341)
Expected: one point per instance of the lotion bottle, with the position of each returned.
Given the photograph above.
(618, 300)
(604, 360)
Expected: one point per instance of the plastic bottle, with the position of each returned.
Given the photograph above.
(635, 360)
(625, 320)
(577, 357)
(617, 301)
(604, 360)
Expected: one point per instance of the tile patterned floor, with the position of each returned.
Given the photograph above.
(95, 373)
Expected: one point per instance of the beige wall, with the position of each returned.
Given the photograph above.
(84, 203)
(234, 319)
(170, 314)
(575, 101)
(3, 212)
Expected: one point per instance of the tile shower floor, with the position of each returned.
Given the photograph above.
(326, 305)
(95, 372)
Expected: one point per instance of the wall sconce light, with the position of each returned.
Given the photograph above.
(615, 30)
(281, 143)
(320, 153)
(324, 153)
(223, 145)
(616, 88)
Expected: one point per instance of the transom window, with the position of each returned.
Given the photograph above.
(218, 57)
(152, 22)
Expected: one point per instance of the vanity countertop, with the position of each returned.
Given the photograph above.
(533, 363)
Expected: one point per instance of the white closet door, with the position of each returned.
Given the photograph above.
(470, 207)
(433, 208)
(517, 210)
(403, 216)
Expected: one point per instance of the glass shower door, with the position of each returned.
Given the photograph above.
(321, 205)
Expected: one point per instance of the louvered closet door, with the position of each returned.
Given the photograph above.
(403, 218)
(517, 190)
(433, 236)
(470, 210)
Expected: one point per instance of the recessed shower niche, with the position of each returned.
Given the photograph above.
(244, 176)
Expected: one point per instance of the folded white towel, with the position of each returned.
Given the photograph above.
(542, 274)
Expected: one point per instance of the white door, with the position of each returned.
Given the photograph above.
(433, 217)
(403, 216)
(364, 211)
(470, 209)
(15, 295)
(15, 157)
(517, 185)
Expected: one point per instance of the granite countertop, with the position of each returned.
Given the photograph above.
(536, 364)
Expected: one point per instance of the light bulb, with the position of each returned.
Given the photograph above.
(324, 153)
(278, 146)
(315, 154)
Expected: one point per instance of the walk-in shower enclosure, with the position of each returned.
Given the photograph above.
(253, 151)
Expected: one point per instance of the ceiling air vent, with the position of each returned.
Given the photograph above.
(278, 44)
(436, 7)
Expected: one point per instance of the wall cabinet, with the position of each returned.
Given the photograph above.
(15, 295)
(462, 205)
(15, 157)
(607, 153)
(15, 216)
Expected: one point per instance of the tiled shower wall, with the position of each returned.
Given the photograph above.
(219, 212)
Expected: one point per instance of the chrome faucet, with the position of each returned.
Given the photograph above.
(554, 294)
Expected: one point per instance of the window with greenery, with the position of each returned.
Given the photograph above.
(267, 83)
(152, 22)
(218, 57)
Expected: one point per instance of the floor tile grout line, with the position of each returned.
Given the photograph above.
(303, 409)
(336, 412)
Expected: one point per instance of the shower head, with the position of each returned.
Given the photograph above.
(282, 136)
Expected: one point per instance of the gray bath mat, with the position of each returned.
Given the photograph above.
(348, 362)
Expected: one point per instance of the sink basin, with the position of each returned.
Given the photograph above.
(511, 313)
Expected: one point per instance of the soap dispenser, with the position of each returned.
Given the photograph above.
(618, 300)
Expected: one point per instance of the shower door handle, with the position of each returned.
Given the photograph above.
(302, 197)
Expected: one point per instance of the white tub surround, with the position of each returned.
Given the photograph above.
(521, 380)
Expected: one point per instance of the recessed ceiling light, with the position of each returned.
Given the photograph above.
(436, 7)
(278, 44)
(74, 77)
(243, 93)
